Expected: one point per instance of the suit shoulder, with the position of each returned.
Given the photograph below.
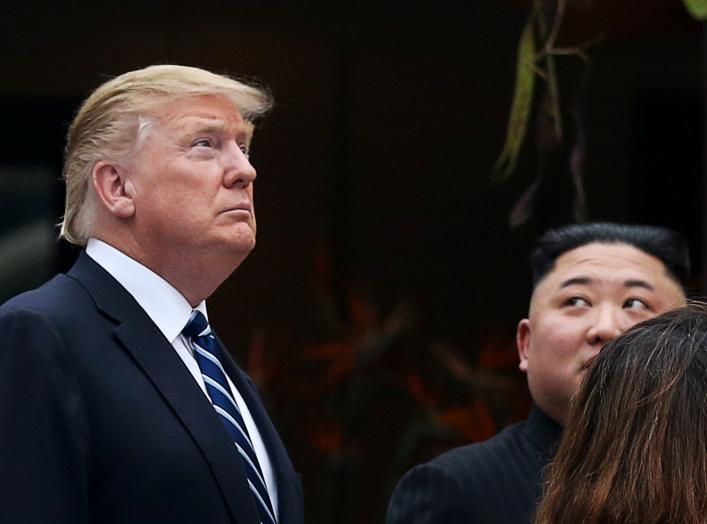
(498, 450)
(57, 298)
(428, 494)
(495, 481)
(465, 484)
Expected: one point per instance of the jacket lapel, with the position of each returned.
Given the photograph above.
(160, 362)
(288, 484)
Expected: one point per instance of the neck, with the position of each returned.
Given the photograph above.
(193, 273)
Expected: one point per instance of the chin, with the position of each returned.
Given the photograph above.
(240, 237)
(242, 244)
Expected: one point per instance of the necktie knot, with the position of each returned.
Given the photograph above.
(197, 325)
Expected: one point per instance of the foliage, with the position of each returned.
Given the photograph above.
(538, 61)
(522, 99)
(697, 8)
(374, 395)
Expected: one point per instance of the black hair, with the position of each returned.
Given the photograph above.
(667, 245)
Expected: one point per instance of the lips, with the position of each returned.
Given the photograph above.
(244, 206)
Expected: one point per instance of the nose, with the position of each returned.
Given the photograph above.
(605, 326)
(238, 171)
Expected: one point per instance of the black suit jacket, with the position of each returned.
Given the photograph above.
(498, 481)
(101, 422)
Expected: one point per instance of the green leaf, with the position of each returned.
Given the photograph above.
(697, 8)
(521, 105)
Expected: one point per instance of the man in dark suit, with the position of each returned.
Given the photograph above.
(590, 283)
(117, 403)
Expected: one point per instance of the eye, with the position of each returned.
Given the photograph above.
(577, 302)
(244, 150)
(203, 142)
(635, 303)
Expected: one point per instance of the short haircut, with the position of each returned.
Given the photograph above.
(111, 121)
(668, 246)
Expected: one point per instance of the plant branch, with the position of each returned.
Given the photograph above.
(579, 49)
(557, 23)
(552, 84)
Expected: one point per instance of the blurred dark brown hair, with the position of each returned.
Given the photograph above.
(634, 450)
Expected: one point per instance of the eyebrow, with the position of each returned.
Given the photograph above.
(585, 281)
(197, 124)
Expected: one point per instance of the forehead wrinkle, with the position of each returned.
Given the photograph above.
(200, 123)
(581, 281)
(638, 283)
(588, 281)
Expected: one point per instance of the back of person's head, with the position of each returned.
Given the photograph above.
(634, 450)
(668, 246)
(115, 119)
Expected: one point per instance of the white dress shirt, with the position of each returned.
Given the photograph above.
(170, 312)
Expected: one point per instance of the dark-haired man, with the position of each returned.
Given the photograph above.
(590, 283)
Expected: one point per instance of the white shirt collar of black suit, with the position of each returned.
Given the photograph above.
(165, 306)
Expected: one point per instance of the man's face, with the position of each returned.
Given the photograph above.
(593, 293)
(193, 183)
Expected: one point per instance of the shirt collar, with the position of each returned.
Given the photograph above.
(165, 306)
(544, 432)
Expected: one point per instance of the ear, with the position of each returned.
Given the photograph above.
(523, 343)
(114, 188)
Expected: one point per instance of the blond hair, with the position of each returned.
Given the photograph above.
(109, 125)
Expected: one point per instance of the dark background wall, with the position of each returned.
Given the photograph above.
(379, 308)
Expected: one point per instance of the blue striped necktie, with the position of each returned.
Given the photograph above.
(207, 353)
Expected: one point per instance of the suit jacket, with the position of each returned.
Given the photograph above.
(496, 482)
(101, 422)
